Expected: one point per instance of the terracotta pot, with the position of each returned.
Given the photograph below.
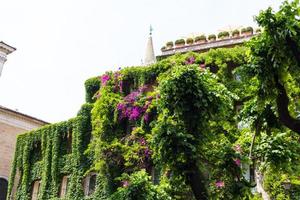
(236, 35)
(247, 33)
(200, 42)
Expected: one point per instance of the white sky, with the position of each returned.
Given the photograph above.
(61, 43)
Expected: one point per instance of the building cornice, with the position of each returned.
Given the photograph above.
(202, 47)
(6, 48)
(19, 120)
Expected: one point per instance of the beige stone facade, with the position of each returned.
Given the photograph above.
(12, 124)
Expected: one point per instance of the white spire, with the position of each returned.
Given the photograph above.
(150, 56)
(4, 51)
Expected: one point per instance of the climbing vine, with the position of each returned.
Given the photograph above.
(190, 126)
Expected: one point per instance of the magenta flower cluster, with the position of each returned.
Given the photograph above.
(129, 110)
(125, 183)
(220, 184)
(238, 148)
(190, 60)
(104, 79)
(202, 66)
(237, 162)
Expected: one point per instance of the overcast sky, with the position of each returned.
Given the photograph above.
(61, 43)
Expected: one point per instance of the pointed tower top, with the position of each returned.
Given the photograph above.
(149, 55)
(151, 29)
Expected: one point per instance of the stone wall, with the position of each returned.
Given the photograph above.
(12, 123)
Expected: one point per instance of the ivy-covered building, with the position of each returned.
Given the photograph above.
(170, 130)
(86, 156)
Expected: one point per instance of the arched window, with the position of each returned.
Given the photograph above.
(89, 184)
(3, 188)
(35, 190)
(64, 186)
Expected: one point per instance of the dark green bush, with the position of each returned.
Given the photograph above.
(223, 34)
(179, 42)
(200, 38)
(235, 32)
(247, 29)
(170, 44)
(92, 85)
(189, 40)
(212, 37)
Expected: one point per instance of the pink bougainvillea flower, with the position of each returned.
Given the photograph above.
(143, 141)
(132, 97)
(237, 162)
(104, 79)
(127, 112)
(135, 113)
(143, 88)
(125, 183)
(202, 66)
(190, 60)
(120, 106)
(238, 148)
(220, 184)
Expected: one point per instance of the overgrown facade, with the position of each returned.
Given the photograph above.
(176, 129)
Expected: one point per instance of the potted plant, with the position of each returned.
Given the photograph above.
(235, 33)
(170, 44)
(223, 35)
(247, 31)
(212, 37)
(200, 39)
(163, 48)
(190, 41)
(179, 42)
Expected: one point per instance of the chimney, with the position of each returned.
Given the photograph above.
(4, 51)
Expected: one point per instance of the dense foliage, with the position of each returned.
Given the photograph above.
(192, 126)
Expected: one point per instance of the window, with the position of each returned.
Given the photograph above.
(35, 190)
(155, 175)
(3, 188)
(36, 152)
(69, 142)
(89, 184)
(63, 186)
(66, 143)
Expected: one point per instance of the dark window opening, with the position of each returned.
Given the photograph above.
(155, 175)
(89, 184)
(66, 143)
(69, 142)
(213, 69)
(3, 188)
(92, 184)
(36, 152)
